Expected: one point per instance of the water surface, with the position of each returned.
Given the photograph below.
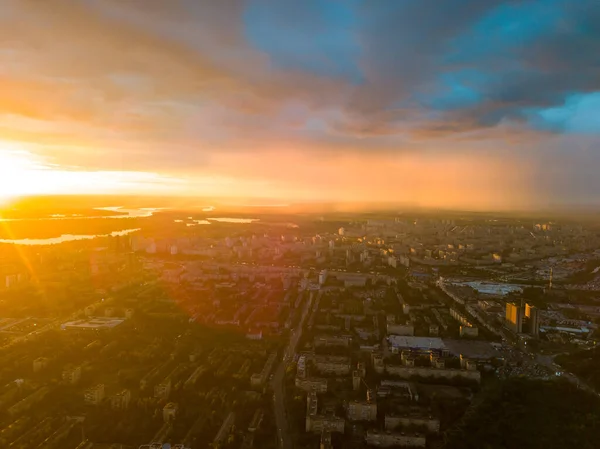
(65, 238)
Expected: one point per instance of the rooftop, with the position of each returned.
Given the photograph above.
(93, 323)
(399, 341)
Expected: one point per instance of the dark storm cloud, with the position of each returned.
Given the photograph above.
(407, 46)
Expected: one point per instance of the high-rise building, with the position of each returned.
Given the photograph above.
(533, 320)
(514, 317)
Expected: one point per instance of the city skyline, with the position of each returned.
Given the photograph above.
(471, 105)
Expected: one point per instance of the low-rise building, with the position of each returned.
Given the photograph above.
(27, 402)
(163, 389)
(397, 388)
(256, 420)
(406, 372)
(259, 379)
(318, 423)
(121, 400)
(225, 429)
(39, 364)
(309, 384)
(94, 395)
(71, 374)
(427, 423)
(326, 440)
(378, 363)
(387, 439)
(301, 368)
(332, 340)
(170, 412)
(336, 365)
(469, 331)
(401, 329)
(362, 411)
(326, 423)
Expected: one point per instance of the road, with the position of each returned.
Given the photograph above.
(277, 383)
(548, 361)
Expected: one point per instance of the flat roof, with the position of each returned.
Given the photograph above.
(400, 341)
(93, 323)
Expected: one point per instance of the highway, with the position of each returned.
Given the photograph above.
(277, 383)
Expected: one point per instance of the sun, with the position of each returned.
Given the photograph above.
(19, 173)
(23, 173)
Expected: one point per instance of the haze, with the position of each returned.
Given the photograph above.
(459, 104)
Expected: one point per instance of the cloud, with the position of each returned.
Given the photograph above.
(187, 87)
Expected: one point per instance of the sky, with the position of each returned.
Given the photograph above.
(477, 104)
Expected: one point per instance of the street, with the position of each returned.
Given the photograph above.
(277, 383)
(548, 361)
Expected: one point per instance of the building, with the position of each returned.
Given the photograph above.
(397, 388)
(312, 384)
(387, 439)
(94, 395)
(336, 365)
(406, 372)
(93, 324)
(460, 317)
(27, 402)
(419, 344)
(256, 420)
(362, 410)
(318, 423)
(469, 331)
(332, 340)
(71, 374)
(170, 412)
(39, 364)
(413, 420)
(514, 317)
(378, 363)
(194, 376)
(326, 440)
(225, 429)
(325, 423)
(401, 329)
(120, 401)
(259, 379)
(323, 277)
(301, 370)
(532, 314)
(254, 335)
(163, 389)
